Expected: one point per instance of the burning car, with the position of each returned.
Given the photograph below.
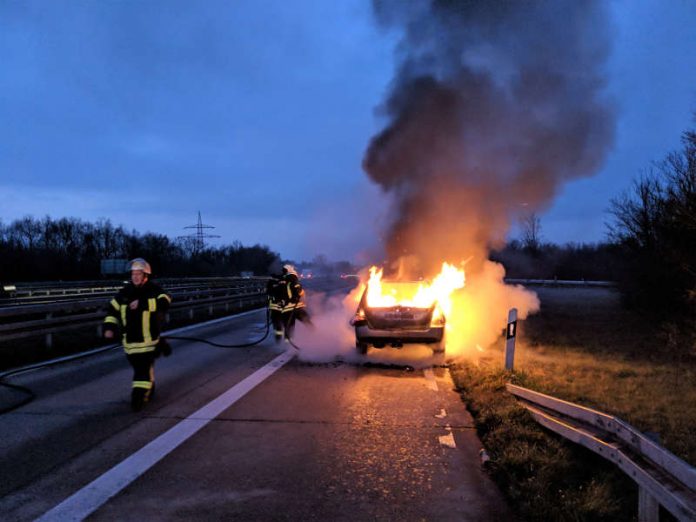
(395, 325)
(398, 312)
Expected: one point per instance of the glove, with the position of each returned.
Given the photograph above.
(164, 347)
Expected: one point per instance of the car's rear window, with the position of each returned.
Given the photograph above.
(406, 289)
(399, 292)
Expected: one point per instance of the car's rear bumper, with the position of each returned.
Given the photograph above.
(365, 334)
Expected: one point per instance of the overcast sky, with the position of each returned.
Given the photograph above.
(258, 114)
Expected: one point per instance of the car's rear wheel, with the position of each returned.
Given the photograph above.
(361, 347)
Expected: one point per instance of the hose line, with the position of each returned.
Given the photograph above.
(30, 395)
(220, 345)
(244, 345)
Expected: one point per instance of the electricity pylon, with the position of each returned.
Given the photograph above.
(198, 238)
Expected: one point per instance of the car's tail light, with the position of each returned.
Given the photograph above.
(359, 318)
(438, 318)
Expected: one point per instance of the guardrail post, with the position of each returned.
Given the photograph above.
(510, 336)
(49, 336)
(210, 310)
(648, 507)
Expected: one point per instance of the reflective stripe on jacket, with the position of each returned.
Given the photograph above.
(140, 328)
(285, 294)
(285, 307)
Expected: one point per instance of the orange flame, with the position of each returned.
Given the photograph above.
(421, 295)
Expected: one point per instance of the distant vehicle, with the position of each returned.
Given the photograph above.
(399, 324)
(348, 276)
(7, 290)
(306, 275)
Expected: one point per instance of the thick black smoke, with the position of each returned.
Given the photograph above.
(493, 106)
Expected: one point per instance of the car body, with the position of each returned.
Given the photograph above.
(396, 325)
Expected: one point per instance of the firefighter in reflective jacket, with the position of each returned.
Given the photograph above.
(286, 302)
(136, 312)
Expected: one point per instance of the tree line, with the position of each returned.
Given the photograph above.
(33, 249)
(572, 261)
(655, 229)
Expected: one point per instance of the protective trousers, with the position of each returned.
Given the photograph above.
(143, 378)
(289, 318)
(278, 324)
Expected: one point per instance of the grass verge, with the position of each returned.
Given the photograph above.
(586, 349)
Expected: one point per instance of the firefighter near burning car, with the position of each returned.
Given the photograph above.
(286, 303)
(137, 313)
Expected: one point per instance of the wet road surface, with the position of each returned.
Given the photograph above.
(330, 441)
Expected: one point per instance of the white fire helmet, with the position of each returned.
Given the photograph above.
(139, 264)
(290, 269)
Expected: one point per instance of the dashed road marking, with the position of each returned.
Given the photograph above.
(448, 440)
(430, 379)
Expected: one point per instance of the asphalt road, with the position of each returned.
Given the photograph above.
(242, 434)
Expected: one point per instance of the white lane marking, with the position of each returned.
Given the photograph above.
(88, 499)
(212, 321)
(445, 440)
(430, 379)
(448, 440)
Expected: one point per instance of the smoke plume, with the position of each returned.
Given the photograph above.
(494, 105)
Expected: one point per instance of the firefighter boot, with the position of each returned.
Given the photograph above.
(150, 393)
(138, 398)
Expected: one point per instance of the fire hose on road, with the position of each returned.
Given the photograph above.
(245, 345)
(30, 395)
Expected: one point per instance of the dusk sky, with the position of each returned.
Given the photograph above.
(258, 114)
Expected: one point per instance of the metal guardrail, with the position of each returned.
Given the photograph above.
(25, 293)
(228, 294)
(561, 283)
(62, 286)
(663, 478)
(45, 319)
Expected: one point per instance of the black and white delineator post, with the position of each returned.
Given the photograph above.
(510, 335)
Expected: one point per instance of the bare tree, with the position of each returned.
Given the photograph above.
(531, 232)
(639, 212)
(26, 232)
(655, 223)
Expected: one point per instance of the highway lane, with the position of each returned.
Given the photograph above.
(310, 442)
(82, 403)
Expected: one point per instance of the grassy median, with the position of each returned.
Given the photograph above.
(582, 347)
